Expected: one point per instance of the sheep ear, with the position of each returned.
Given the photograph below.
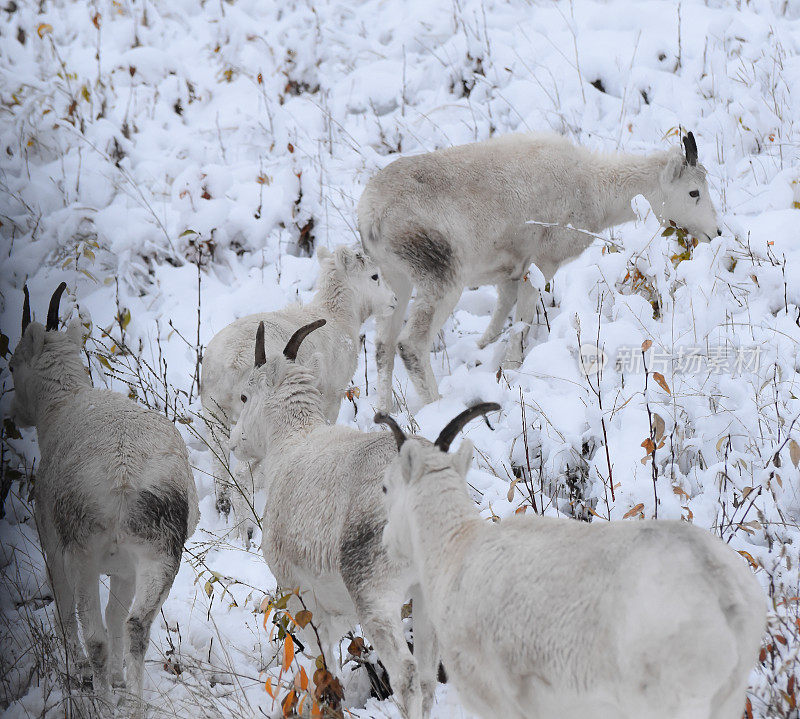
(674, 167)
(411, 461)
(75, 332)
(323, 253)
(462, 459)
(32, 341)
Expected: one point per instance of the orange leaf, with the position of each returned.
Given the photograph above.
(658, 377)
(316, 712)
(748, 709)
(303, 680)
(633, 510)
(44, 28)
(300, 705)
(648, 445)
(749, 558)
(521, 510)
(646, 345)
(288, 652)
(356, 647)
(289, 702)
(780, 639)
(268, 687)
(260, 79)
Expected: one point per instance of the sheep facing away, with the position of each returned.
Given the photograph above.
(537, 617)
(324, 517)
(482, 213)
(113, 495)
(349, 290)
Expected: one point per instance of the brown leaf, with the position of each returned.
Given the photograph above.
(302, 618)
(290, 147)
(646, 345)
(658, 426)
(749, 558)
(794, 452)
(648, 445)
(96, 20)
(658, 377)
(633, 510)
(357, 647)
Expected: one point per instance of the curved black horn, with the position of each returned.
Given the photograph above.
(690, 146)
(52, 311)
(26, 309)
(399, 436)
(448, 434)
(290, 351)
(261, 349)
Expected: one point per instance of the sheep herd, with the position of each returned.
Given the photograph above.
(531, 617)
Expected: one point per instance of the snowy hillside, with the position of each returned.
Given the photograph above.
(176, 163)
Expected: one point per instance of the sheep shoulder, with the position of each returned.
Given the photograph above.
(339, 464)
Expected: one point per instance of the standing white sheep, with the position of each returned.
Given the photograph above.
(324, 517)
(539, 617)
(349, 290)
(482, 213)
(113, 495)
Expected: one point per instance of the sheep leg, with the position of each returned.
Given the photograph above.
(119, 602)
(381, 622)
(506, 297)
(83, 568)
(527, 298)
(218, 436)
(388, 326)
(426, 651)
(428, 315)
(242, 499)
(154, 577)
(64, 596)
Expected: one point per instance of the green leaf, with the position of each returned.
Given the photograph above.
(187, 232)
(668, 231)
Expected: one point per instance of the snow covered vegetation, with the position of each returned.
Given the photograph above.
(179, 164)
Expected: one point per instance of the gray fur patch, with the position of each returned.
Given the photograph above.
(137, 641)
(75, 517)
(429, 256)
(161, 518)
(361, 544)
(410, 360)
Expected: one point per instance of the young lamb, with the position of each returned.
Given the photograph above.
(324, 518)
(349, 290)
(482, 213)
(539, 617)
(113, 495)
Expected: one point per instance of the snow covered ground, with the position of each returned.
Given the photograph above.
(176, 162)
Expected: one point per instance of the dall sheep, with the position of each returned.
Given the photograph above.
(539, 617)
(482, 213)
(113, 495)
(324, 516)
(349, 290)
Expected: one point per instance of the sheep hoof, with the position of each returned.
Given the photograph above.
(485, 341)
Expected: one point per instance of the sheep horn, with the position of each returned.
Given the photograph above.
(26, 309)
(448, 434)
(293, 345)
(690, 146)
(52, 311)
(261, 349)
(398, 433)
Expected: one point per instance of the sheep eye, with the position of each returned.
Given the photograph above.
(375, 277)
(243, 398)
(384, 489)
(694, 193)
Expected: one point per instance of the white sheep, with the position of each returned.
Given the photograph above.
(113, 495)
(349, 290)
(482, 213)
(538, 617)
(324, 517)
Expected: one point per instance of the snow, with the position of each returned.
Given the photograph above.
(166, 135)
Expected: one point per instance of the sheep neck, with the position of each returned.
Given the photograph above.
(300, 411)
(446, 523)
(59, 382)
(336, 299)
(620, 178)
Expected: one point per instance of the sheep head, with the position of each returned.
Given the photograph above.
(280, 394)
(46, 362)
(419, 462)
(354, 270)
(683, 196)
